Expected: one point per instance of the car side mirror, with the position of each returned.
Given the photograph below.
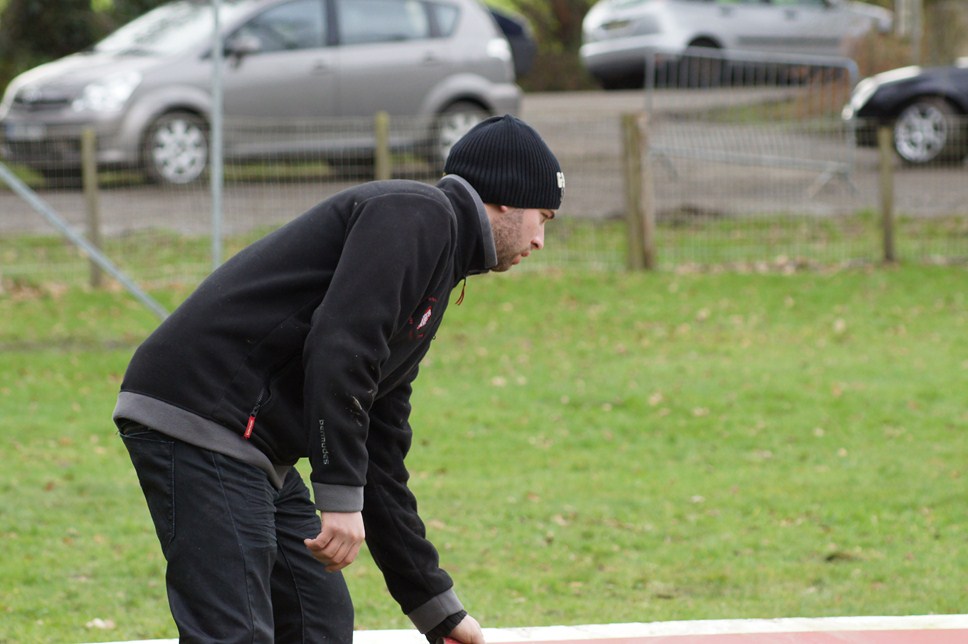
(242, 45)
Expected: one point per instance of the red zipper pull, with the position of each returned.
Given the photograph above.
(250, 425)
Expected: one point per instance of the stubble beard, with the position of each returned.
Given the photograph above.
(506, 229)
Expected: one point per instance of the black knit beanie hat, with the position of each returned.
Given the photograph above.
(509, 164)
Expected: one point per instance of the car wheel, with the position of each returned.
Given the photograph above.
(176, 148)
(450, 125)
(928, 131)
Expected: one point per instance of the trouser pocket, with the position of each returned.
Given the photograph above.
(152, 454)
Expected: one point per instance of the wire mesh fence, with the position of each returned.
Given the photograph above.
(756, 167)
(742, 174)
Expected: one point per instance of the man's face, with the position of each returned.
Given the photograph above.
(517, 232)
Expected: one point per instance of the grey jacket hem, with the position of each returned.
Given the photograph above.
(432, 613)
(194, 430)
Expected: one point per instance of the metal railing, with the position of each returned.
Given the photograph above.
(770, 111)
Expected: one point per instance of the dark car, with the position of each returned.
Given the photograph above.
(927, 108)
(519, 35)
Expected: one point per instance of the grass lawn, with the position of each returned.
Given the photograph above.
(589, 448)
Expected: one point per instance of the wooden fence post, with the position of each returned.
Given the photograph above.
(382, 168)
(639, 202)
(886, 156)
(91, 200)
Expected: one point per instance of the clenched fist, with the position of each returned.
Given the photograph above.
(338, 543)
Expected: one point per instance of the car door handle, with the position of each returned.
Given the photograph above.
(321, 67)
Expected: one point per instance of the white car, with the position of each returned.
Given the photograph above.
(618, 34)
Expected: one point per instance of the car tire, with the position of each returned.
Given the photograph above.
(176, 148)
(450, 125)
(929, 130)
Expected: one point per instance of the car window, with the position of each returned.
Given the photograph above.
(373, 21)
(294, 25)
(445, 15)
(800, 3)
(620, 4)
(168, 29)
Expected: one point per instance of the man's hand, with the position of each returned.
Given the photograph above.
(338, 543)
(467, 632)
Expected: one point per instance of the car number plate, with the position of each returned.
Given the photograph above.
(25, 131)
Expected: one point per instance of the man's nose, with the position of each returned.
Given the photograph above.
(537, 242)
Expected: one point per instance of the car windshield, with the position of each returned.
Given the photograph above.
(622, 4)
(169, 29)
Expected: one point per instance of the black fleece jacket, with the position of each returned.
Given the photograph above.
(305, 345)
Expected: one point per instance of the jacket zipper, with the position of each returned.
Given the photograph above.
(264, 396)
(250, 425)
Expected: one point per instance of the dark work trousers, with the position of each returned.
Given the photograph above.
(238, 570)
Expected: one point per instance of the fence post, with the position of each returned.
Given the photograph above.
(91, 200)
(381, 154)
(639, 203)
(886, 157)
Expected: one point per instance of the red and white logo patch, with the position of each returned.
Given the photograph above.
(419, 326)
(425, 318)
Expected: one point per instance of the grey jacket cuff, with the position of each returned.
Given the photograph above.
(435, 611)
(337, 498)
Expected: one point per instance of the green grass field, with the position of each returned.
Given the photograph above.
(589, 448)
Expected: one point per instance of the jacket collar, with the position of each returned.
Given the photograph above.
(476, 250)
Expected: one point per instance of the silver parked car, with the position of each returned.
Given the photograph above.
(146, 88)
(617, 34)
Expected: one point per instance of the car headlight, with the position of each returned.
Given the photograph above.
(107, 95)
(862, 93)
(5, 105)
(621, 27)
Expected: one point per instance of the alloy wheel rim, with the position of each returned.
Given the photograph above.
(179, 152)
(453, 127)
(921, 133)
